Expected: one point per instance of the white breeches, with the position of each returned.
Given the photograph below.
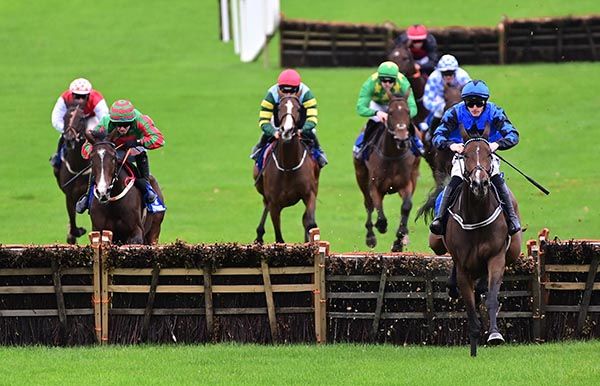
(377, 107)
(458, 166)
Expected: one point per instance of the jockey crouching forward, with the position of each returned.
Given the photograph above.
(373, 103)
(91, 101)
(135, 130)
(289, 82)
(474, 113)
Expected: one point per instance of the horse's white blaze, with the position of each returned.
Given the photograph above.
(102, 184)
(399, 108)
(288, 123)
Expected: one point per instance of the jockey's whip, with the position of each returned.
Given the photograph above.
(537, 185)
(77, 175)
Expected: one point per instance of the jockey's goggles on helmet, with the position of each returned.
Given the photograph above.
(386, 79)
(448, 73)
(288, 89)
(472, 102)
(79, 96)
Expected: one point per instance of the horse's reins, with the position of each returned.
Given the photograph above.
(467, 177)
(294, 125)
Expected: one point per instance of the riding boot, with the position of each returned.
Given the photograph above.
(368, 133)
(438, 225)
(55, 160)
(82, 204)
(512, 220)
(142, 183)
(321, 157)
(264, 139)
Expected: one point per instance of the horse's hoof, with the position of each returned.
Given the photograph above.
(453, 292)
(381, 226)
(495, 339)
(80, 232)
(397, 246)
(71, 239)
(371, 241)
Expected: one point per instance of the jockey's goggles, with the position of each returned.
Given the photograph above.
(288, 89)
(387, 80)
(448, 73)
(79, 96)
(475, 102)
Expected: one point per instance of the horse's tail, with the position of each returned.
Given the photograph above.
(427, 210)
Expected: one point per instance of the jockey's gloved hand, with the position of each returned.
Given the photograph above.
(133, 143)
(308, 133)
(268, 129)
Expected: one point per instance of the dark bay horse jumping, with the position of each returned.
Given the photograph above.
(289, 175)
(118, 205)
(71, 165)
(402, 56)
(440, 161)
(390, 168)
(477, 238)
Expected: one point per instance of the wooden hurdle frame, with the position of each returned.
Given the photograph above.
(104, 289)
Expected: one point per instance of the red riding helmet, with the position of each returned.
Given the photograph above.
(289, 77)
(417, 32)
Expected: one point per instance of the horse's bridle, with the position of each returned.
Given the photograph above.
(117, 171)
(390, 130)
(71, 126)
(291, 115)
(467, 174)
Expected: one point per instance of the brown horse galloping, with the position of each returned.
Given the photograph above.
(390, 168)
(118, 205)
(402, 56)
(72, 163)
(477, 238)
(289, 175)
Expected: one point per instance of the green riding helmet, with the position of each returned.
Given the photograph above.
(388, 70)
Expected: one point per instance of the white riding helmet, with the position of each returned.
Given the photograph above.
(447, 63)
(80, 86)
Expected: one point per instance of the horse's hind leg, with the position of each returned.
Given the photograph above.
(308, 219)
(402, 232)
(468, 294)
(495, 274)
(74, 231)
(275, 212)
(260, 230)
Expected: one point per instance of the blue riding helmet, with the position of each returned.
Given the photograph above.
(475, 88)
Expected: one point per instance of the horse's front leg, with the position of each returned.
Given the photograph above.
(495, 274)
(260, 230)
(308, 219)
(465, 283)
(137, 237)
(402, 232)
(377, 199)
(275, 212)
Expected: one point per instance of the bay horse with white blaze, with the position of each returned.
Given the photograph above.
(72, 163)
(118, 206)
(289, 174)
(477, 238)
(391, 168)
